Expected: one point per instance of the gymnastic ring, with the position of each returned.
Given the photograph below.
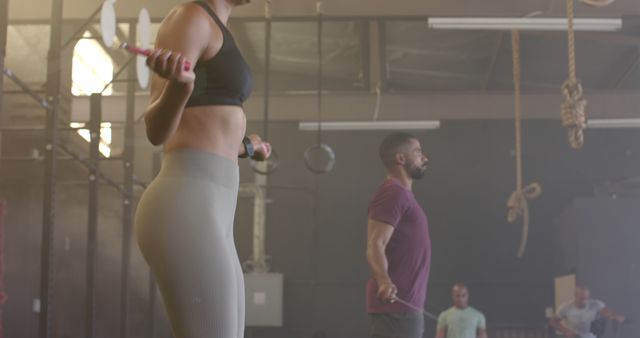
(273, 162)
(327, 167)
(597, 3)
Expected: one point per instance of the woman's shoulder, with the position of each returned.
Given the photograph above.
(187, 11)
(185, 18)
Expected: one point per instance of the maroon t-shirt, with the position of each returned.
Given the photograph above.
(408, 251)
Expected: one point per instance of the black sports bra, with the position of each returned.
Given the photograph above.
(225, 79)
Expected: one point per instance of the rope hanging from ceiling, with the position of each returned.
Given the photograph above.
(573, 109)
(518, 205)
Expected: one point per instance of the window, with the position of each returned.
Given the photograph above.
(92, 68)
(105, 136)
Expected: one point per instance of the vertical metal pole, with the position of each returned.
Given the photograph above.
(382, 56)
(372, 58)
(127, 207)
(92, 233)
(3, 295)
(152, 306)
(4, 25)
(320, 71)
(156, 164)
(48, 214)
(267, 71)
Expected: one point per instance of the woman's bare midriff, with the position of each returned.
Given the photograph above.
(216, 129)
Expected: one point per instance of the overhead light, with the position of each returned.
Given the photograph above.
(371, 125)
(537, 24)
(613, 123)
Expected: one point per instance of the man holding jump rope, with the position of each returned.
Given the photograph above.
(398, 243)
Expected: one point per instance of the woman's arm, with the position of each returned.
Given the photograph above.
(184, 35)
(261, 149)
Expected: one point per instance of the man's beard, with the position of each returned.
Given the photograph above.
(416, 172)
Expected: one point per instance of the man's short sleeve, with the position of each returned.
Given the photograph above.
(389, 204)
(563, 311)
(482, 321)
(599, 305)
(442, 320)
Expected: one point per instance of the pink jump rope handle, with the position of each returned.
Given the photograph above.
(147, 52)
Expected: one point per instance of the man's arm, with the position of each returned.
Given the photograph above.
(556, 323)
(610, 314)
(441, 328)
(481, 331)
(378, 235)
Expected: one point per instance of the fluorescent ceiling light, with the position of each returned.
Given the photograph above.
(538, 24)
(371, 125)
(613, 123)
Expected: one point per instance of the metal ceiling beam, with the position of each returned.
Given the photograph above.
(444, 106)
(614, 38)
(435, 73)
(412, 106)
(30, 9)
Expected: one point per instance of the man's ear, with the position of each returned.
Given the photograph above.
(400, 158)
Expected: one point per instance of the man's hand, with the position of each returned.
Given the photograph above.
(387, 292)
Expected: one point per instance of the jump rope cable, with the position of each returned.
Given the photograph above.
(413, 307)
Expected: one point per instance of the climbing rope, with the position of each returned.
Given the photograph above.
(517, 204)
(573, 108)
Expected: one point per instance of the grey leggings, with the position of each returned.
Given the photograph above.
(184, 227)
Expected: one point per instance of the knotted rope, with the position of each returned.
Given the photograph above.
(517, 204)
(573, 108)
